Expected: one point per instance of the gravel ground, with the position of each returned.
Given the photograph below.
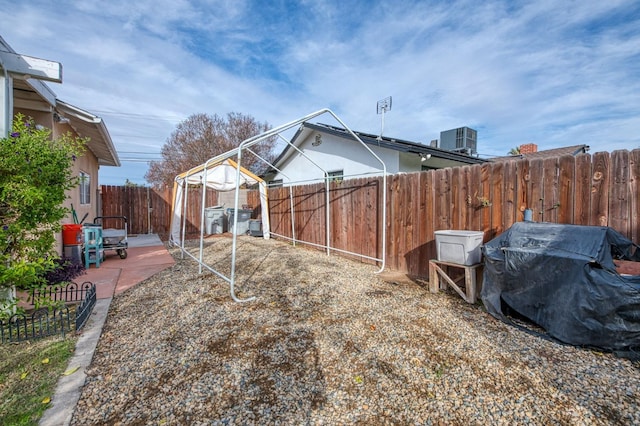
(329, 342)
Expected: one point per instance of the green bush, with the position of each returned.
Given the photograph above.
(35, 173)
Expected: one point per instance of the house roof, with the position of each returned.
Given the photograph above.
(33, 94)
(375, 140)
(93, 127)
(547, 153)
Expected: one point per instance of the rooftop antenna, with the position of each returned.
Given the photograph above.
(384, 105)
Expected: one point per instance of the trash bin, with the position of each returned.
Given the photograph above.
(72, 240)
(72, 234)
(243, 220)
(255, 228)
(73, 253)
(215, 221)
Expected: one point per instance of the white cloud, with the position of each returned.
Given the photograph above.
(545, 72)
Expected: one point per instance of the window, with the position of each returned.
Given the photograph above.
(85, 188)
(275, 183)
(335, 176)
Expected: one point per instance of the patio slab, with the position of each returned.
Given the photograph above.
(116, 275)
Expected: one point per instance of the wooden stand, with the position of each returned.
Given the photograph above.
(439, 269)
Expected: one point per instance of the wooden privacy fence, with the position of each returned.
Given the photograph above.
(599, 189)
(588, 190)
(148, 210)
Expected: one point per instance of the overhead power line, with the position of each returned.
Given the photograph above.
(138, 160)
(145, 116)
(131, 135)
(139, 152)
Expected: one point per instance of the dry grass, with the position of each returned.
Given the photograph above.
(29, 372)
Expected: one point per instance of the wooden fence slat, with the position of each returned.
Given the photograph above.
(634, 189)
(345, 210)
(336, 216)
(345, 202)
(536, 201)
(442, 199)
(375, 202)
(424, 219)
(463, 198)
(599, 190)
(473, 190)
(496, 192)
(429, 218)
(566, 195)
(393, 214)
(412, 225)
(550, 190)
(456, 208)
(483, 201)
(509, 195)
(522, 189)
(582, 201)
(619, 200)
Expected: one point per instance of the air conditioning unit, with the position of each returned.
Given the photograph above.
(462, 139)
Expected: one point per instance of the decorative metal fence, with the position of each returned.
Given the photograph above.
(41, 323)
(44, 322)
(86, 306)
(71, 292)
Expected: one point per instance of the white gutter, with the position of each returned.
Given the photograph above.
(87, 117)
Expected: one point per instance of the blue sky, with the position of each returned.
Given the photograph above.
(550, 72)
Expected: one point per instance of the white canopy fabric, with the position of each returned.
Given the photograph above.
(221, 177)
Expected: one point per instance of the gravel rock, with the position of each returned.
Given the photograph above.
(327, 341)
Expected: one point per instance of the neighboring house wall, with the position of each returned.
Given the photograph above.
(410, 162)
(336, 149)
(335, 153)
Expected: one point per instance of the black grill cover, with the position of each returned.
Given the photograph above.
(562, 277)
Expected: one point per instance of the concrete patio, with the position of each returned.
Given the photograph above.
(146, 256)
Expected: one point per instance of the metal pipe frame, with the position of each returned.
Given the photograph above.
(326, 180)
(245, 145)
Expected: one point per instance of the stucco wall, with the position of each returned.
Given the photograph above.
(40, 117)
(410, 162)
(87, 163)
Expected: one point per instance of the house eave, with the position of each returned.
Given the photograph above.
(398, 144)
(92, 127)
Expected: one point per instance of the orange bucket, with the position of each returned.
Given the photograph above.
(72, 234)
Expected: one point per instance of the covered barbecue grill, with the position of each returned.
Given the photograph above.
(564, 279)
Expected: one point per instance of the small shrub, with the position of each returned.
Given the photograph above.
(36, 173)
(64, 271)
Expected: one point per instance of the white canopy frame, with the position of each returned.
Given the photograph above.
(210, 175)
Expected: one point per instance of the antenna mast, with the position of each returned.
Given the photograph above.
(384, 105)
